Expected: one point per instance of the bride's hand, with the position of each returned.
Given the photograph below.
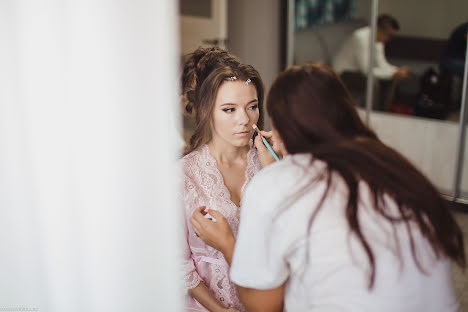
(266, 158)
(217, 234)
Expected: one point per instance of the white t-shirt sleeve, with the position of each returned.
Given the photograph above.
(383, 69)
(258, 260)
(361, 52)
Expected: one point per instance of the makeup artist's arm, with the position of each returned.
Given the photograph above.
(219, 235)
(256, 300)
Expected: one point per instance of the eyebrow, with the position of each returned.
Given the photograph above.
(252, 101)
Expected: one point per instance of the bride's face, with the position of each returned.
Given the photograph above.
(235, 111)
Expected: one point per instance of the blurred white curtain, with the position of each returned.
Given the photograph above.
(88, 148)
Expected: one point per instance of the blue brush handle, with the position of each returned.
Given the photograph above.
(270, 149)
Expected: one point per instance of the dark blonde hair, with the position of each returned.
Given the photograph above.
(204, 70)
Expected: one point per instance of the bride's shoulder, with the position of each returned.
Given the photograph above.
(194, 155)
(192, 163)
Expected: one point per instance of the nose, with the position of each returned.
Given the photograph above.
(243, 117)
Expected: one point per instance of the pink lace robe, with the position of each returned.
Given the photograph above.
(204, 186)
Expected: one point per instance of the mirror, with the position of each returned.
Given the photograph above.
(413, 112)
(428, 40)
(431, 42)
(420, 114)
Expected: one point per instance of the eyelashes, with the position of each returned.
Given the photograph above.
(232, 109)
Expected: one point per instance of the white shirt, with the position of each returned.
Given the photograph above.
(271, 248)
(354, 56)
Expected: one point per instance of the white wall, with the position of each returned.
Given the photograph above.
(431, 145)
(363, 9)
(254, 36)
(426, 18)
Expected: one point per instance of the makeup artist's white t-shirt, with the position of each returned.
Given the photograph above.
(272, 248)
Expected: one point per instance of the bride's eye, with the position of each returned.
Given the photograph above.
(229, 110)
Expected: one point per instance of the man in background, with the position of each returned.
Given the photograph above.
(354, 54)
(352, 60)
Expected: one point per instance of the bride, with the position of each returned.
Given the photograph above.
(226, 98)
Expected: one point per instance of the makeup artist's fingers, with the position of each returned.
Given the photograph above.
(199, 215)
(266, 134)
(260, 145)
(266, 158)
(215, 234)
(218, 234)
(220, 218)
(198, 211)
(274, 141)
(202, 209)
(200, 226)
(196, 226)
(278, 144)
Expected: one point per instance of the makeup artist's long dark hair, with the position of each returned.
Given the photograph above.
(204, 70)
(314, 113)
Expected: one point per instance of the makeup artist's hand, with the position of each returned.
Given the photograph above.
(215, 234)
(266, 158)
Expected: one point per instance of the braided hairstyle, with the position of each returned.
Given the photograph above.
(204, 70)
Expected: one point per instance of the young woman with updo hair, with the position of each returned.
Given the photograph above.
(225, 96)
(343, 222)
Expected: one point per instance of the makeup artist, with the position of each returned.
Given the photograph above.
(342, 223)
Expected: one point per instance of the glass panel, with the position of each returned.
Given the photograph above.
(416, 110)
(428, 45)
(419, 114)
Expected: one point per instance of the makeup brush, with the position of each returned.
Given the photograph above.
(266, 143)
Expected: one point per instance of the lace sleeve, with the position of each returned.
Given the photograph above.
(191, 276)
(192, 279)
